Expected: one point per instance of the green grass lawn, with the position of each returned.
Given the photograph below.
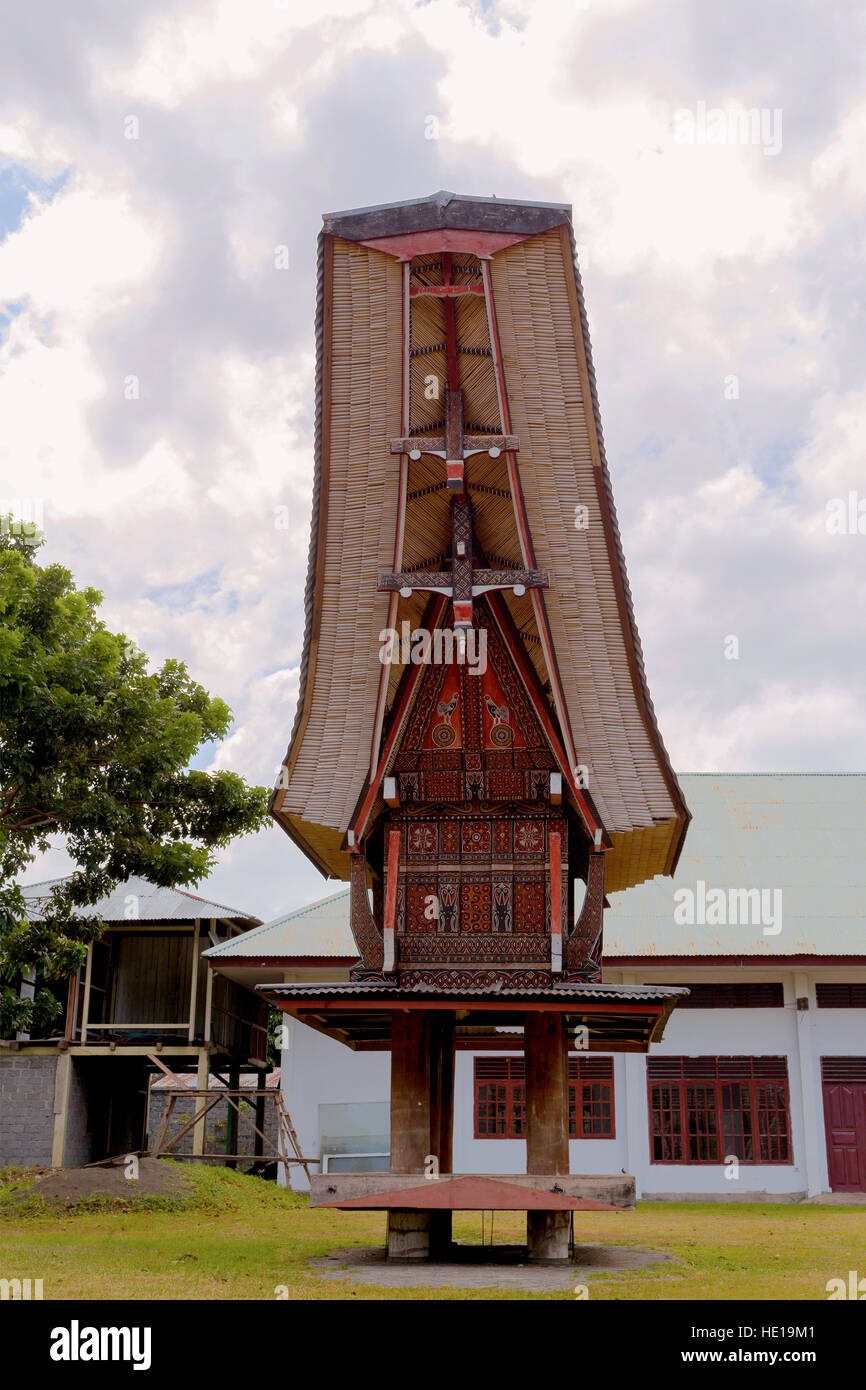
(238, 1237)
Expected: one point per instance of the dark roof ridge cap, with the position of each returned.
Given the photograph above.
(441, 198)
(446, 211)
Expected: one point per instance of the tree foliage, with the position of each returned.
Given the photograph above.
(95, 748)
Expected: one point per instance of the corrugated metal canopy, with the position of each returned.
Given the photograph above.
(153, 904)
(801, 833)
(322, 929)
(361, 1014)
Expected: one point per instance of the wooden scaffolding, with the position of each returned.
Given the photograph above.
(286, 1150)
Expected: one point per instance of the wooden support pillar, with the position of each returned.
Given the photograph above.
(410, 1090)
(62, 1079)
(422, 1110)
(201, 1081)
(441, 1120)
(232, 1115)
(409, 1231)
(258, 1141)
(546, 1068)
(442, 1090)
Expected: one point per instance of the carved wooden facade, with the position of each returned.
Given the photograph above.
(477, 852)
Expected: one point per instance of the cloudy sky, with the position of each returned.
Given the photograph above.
(161, 161)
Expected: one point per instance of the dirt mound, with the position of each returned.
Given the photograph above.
(68, 1186)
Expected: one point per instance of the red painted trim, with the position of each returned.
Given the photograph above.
(282, 962)
(403, 703)
(527, 676)
(391, 893)
(514, 1080)
(445, 291)
(399, 533)
(556, 889)
(473, 1005)
(527, 548)
(405, 245)
(450, 336)
(711, 962)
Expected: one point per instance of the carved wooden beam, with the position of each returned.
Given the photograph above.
(368, 938)
(555, 903)
(583, 949)
(391, 887)
(446, 291)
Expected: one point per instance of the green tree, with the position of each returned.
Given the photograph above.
(94, 748)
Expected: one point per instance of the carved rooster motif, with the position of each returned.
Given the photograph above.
(500, 713)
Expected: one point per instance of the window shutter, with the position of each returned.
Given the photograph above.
(844, 996)
(851, 1069)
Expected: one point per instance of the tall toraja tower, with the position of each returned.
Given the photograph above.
(474, 740)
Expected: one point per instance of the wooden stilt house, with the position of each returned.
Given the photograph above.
(77, 1091)
(475, 749)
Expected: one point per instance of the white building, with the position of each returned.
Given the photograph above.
(759, 1083)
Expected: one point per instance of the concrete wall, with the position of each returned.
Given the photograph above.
(317, 1070)
(26, 1109)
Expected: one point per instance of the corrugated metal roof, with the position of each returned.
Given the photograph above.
(352, 990)
(802, 833)
(154, 904)
(322, 929)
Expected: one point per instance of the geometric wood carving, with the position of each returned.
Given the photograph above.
(368, 938)
(583, 949)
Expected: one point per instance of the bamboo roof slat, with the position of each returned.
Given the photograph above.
(550, 395)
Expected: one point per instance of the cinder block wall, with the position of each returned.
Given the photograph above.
(26, 1109)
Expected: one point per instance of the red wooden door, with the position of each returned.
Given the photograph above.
(845, 1124)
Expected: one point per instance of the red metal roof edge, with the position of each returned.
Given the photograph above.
(470, 1194)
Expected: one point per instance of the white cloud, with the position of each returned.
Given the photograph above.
(231, 41)
(760, 735)
(841, 161)
(83, 254)
(157, 258)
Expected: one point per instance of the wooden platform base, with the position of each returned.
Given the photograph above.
(419, 1214)
(345, 1189)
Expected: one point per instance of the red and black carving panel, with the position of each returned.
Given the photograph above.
(475, 816)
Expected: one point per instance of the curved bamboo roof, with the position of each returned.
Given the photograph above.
(525, 369)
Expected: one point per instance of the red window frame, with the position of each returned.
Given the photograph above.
(500, 1098)
(703, 1109)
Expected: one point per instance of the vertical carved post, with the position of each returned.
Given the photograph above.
(546, 1061)
(441, 1119)
(409, 1231)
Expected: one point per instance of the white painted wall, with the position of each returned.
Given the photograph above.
(473, 1155)
(317, 1070)
(727, 1033)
